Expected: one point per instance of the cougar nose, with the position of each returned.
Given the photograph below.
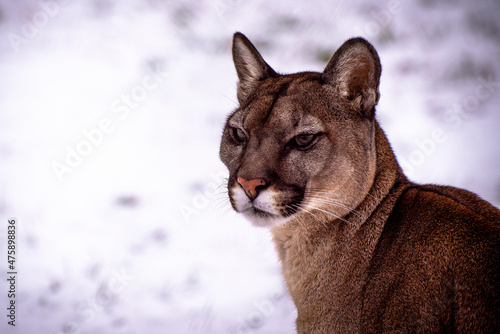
(252, 186)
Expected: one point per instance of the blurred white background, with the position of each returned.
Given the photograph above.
(110, 118)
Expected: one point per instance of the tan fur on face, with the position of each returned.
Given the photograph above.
(362, 249)
(341, 166)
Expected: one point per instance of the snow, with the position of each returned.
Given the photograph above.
(137, 235)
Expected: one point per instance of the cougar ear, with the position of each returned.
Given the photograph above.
(354, 71)
(250, 66)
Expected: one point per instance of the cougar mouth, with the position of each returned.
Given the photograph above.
(255, 213)
(267, 208)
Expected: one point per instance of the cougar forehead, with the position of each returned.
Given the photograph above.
(285, 103)
(297, 90)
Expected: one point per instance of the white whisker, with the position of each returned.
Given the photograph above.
(325, 200)
(329, 213)
(299, 207)
(315, 191)
(360, 187)
(295, 206)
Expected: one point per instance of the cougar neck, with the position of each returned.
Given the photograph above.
(389, 177)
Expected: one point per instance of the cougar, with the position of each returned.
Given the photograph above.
(362, 249)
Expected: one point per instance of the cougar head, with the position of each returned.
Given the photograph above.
(301, 145)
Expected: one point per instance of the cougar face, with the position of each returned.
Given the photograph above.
(301, 144)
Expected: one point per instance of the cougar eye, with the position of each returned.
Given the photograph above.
(303, 141)
(238, 135)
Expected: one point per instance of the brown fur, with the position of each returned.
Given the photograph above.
(363, 250)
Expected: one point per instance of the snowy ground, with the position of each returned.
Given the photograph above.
(110, 119)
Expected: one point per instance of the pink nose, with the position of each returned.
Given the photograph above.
(250, 186)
